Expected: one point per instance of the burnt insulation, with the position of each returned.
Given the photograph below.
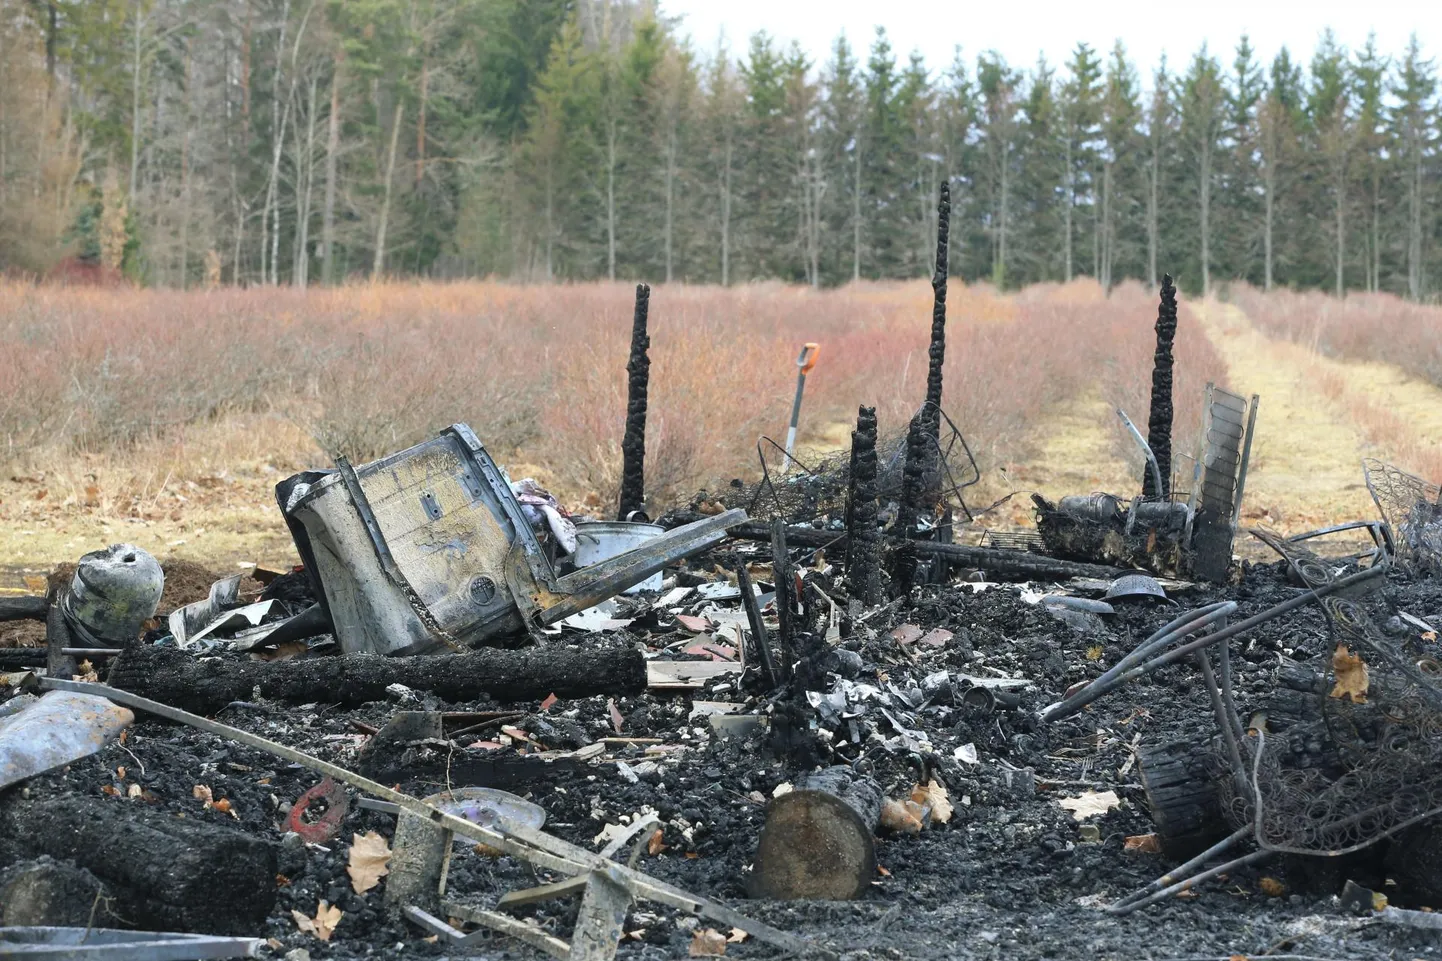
(863, 571)
(1159, 423)
(633, 444)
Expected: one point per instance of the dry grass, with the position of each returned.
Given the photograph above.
(177, 411)
(1367, 327)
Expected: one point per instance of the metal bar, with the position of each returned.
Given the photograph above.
(511, 927)
(1147, 450)
(109, 944)
(1181, 870)
(1191, 882)
(537, 847)
(1246, 457)
(542, 892)
(1224, 721)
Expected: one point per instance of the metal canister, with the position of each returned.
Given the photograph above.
(113, 592)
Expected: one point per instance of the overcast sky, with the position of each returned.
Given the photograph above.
(1021, 29)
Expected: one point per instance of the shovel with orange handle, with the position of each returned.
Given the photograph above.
(804, 362)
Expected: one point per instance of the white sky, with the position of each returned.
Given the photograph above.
(1020, 29)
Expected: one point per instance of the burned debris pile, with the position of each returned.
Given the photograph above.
(825, 713)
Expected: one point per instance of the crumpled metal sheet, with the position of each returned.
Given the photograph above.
(58, 729)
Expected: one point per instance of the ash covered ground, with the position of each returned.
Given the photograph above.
(1012, 874)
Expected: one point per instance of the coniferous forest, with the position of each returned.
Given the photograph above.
(203, 142)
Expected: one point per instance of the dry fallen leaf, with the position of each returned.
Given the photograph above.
(1351, 673)
(549, 702)
(1272, 888)
(201, 792)
(1090, 803)
(1429, 635)
(707, 943)
(1144, 844)
(616, 719)
(656, 845)
(1094, 653)
(369, 856)
(935, 795)
(736, 936)
(882, 871)
(323, 924)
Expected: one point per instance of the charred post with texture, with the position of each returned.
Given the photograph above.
(1159, 424)
(633, 444)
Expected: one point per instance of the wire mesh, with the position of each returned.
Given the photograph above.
(1412, 507)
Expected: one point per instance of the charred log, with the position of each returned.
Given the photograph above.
(24, 608)
(817, 842)
(173, 677)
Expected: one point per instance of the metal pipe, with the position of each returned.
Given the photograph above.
(1242, 468)
(1146, 449)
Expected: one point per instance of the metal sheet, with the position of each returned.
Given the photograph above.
(108, 944)
(58, 729)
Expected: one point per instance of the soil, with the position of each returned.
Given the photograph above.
(1012, 874)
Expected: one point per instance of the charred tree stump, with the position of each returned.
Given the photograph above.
(863, 571)
(167, 873)
(204, 687)
(1181, 788)
(1159, 421)
(818, 840)
(633, 444)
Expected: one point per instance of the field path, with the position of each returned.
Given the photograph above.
(1317, 419)
(1305, 469)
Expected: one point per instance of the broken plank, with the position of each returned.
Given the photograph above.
(686, 674)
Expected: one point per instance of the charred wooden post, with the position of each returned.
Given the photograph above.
(817, 842)
(173, 677)
(1182, 793)
(1159, 423)
(633, 444)
(913, 500)
(785, 595)
(937, 352)
(863, 571)
(57, 639)
(760, 637)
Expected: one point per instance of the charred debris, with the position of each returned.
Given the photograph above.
(470, 722)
